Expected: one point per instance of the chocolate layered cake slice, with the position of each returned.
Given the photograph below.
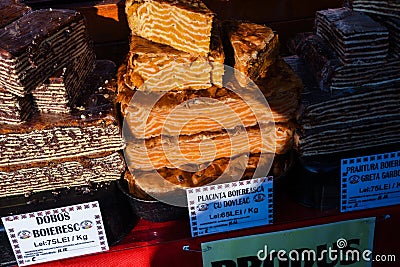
(380, 7)
(31, 178)
(324, 110)
(11, 10)
(330, 109)
(354, 36)
(35, 46)
(393, 26)
(324, 19)
(14, 109)
(147, 58)
(318, 56)
(374, 76)
(60, 92)
(332, 75)
(255, 48)
(339, 123)
(363, 135)
(184, 24)
(91, 128)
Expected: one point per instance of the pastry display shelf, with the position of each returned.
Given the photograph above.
(161, 244)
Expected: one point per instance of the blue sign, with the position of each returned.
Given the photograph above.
(230, 206)
(370, 182)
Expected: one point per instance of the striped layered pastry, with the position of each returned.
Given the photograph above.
(193, 111)
(349, 137)
(143, 183)
(393, 26)
(379, 7)
(184, 24)
(332, 75)
(14, 109)
(147, 58)
(92, 128)
(255, 48)
(340, 123)
(11, 10)
(176, 152)
(35, 46)
(31, 178)
(385, 12)
(354, 36)
(282, 94)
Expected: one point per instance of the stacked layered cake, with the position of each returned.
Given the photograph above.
(393, 26)
(58, 122)
(13, 109)
(386, 12)
(185, 25)
(350, 34)
(355, 105)
(346, 43)
(338, 78)
(60, 92)
(378, 7)
(187, 120)
(255, 48)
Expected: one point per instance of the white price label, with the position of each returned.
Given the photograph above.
(55, 234)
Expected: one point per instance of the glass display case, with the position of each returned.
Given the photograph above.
(308, 190)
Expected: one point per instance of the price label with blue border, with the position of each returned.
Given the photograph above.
(230, 206)
(370, 181)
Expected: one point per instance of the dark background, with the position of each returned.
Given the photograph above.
(110, 33)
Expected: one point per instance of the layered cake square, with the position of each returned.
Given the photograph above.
(379, 7)
(354, 36)
(332, 75)
(184, 24)
(147, 58)
(15, 109)
(334, 123)
(51, 151)
(35, 46)
(11, 10)
(31, 178)
(255, 48)
(90, 129)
